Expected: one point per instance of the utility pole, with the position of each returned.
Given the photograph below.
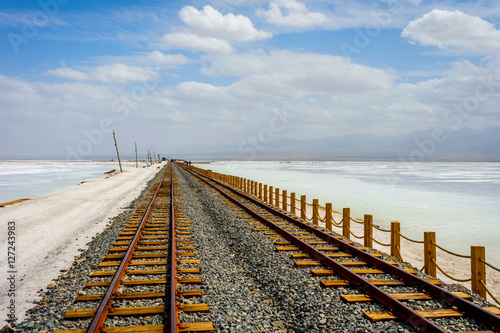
(117, 153)
(136, 164)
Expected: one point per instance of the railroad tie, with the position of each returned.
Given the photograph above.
(404, 296)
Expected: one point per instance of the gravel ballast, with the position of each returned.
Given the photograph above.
(250, 287)
(247, 284)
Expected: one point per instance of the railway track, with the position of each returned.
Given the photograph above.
(346, 265)
(140, 275)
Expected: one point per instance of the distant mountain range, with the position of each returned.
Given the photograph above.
(462, 145)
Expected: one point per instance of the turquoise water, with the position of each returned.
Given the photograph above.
(458, 201)
(30, 179)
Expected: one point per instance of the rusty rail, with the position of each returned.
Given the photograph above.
(173, 311)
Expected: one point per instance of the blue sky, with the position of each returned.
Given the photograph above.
(183, 75)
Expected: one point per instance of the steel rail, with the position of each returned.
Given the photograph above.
(173, 311)
(394, 305)
(105, 305)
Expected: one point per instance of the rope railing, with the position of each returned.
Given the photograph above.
(352, 233)
(376, 241)
(448, 251)
(490, 265)
(489, 291)
(399, 253)
(321, 219)
(359, 221)
(339, 224)
(380, 229)
(447, 275)
(409, 239)
(300, 206)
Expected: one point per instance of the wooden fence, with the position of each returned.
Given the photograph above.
(289, 203)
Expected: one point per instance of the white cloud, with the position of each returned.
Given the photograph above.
(210, 31)
(17, 95)
(302, 73)
(120, 73)
(193, 42)
(206, 94)
(210, 22)
(168, 59)
(69, 73)
(348, 98)
(296, 14)
(112, 73)
(454, 30)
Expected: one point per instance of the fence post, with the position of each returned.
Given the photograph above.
(285, 198)
(328, 216)
(303, 207)
(430, 253)
(478, 270)
(271, 195)
(277, 197)
(260, 191)
(346, 212)
(315, 211)
(265, 192)
(368, 230)
(395, 240)
(292, 202)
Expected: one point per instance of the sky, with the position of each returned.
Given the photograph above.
(184, 76)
